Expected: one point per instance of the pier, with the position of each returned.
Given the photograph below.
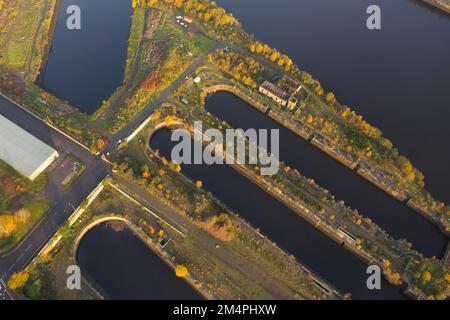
(362, 166)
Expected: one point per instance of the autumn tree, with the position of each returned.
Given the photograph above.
(101, 143)
(242, 68)
(426, 276)
(22, 215)
(18, 280)
(330, 98)
(221, 227)
(7, 225)
(181, 271)
(145, 174)
(319, 90)
(406, 168)
(152, 3)
(178, 3)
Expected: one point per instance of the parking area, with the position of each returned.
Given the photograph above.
(65, 170)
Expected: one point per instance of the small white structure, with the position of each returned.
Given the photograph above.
(188, 19)
(197, 80)
(23, 151)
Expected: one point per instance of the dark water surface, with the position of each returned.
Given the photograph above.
(125, 268)
(398, 78)
(86, 66)
(312, 247)
(396, 218)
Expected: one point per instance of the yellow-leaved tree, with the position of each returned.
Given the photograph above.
(18, 280)
(7, 225)
(181, 271)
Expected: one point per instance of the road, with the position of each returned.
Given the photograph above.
(226, 253)
(62, 203)
(144, 114)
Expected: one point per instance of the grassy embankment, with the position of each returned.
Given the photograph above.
(213, 276)
(154, 61)
(398, 260)
(22, 205)
(322, 111)
(27, 27)
(444, 5)
(25, 35)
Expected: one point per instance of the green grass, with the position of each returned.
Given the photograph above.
(18, 39)
(37, 209)
(136, 31)
(34, 187)
(16, 54)
(201, 44)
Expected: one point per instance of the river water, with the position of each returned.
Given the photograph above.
(397, 77)
(298, 237)
(396, 218)
(125, 268)
(86, 66)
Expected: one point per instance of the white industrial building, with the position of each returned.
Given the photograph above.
(23, 151)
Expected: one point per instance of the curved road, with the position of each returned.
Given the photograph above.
(62, 203)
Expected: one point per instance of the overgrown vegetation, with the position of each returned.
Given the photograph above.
(397, 255)
(162, 59)
(24, 37)
(20, 206)
(242, 68)
(46, 277)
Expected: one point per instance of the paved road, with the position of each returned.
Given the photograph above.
(144, 114)
(62, 203)
(227, 254)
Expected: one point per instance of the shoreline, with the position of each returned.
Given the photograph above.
(309, 135)
(39, 79)
(299, 210)
(439, 5)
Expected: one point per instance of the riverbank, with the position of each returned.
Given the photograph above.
(48, 45)
(444, 5)
(23, 204)
(283, 225)
(26, 35)
(362, 165)
(187, 198)
(176, 242)
(361, 236)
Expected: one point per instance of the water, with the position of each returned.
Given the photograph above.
(396, 218)
(125, 268)
(298, 237)
(86, 66)
(397, 78)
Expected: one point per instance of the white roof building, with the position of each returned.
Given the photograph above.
(23, 151)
